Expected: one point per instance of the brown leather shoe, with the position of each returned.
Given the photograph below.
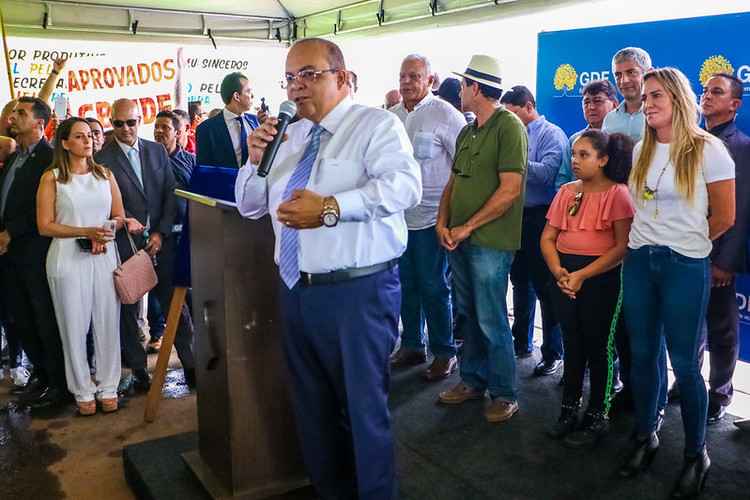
(459, 393)
(500, 411)
(441, 368)
(408, 357)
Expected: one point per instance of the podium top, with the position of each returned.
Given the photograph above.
(205, 200)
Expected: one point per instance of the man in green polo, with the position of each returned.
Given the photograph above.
(479, 222)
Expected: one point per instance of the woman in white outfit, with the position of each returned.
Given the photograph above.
(75, 201)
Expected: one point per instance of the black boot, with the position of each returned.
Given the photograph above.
(641, 456)
(566, 423)
(693, 476)
(595, 426)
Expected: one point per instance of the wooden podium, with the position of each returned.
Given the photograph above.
(248, 446)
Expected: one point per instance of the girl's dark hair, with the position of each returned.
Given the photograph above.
(61, 157)
(618, 147)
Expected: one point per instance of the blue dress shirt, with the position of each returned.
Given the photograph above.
(547, 144)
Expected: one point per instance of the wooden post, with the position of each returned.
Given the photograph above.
(167, 341)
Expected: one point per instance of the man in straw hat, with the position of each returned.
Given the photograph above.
(479, 222)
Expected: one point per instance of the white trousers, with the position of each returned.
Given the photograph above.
(87, 299)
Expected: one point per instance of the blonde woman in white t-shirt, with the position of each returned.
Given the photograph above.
(679, 171)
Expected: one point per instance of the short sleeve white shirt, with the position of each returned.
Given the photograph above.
(679, 224)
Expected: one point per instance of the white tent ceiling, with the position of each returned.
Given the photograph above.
(249, 20)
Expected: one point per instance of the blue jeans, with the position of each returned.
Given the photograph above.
(665, 297)
(480, 277)
(426, 295)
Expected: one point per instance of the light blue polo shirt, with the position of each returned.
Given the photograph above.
(631, 124)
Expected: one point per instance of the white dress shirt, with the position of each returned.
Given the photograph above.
(366, 161)
(433, 126)
(233, 125)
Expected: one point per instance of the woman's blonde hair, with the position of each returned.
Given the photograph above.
(61, 157)
(688, 140)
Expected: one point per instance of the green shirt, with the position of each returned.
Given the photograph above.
(500, 145)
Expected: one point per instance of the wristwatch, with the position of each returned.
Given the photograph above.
(329, 217)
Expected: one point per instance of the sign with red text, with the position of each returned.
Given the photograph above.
(97, 73)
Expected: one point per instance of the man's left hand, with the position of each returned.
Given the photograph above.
(720, 277)
(4, 242)
(302, 210)
(154, 244)
(460, 233)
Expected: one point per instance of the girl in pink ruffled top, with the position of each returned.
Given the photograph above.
(583, 243)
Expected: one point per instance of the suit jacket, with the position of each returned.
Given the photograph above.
(155, 201)
(19, 219)
(730, 250)
(213, 144)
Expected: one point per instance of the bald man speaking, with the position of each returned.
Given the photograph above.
(147, 185)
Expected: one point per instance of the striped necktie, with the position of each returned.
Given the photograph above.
(289, 248)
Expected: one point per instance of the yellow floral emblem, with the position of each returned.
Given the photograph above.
(712, 65)
(565, 77)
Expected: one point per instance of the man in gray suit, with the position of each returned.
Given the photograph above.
(147, 185)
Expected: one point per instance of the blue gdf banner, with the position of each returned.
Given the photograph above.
(699, 47)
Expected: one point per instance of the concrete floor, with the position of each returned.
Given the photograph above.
(62, 455)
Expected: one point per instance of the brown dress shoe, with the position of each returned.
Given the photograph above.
(441, 368)
(458, 394)
(500, 411)
(408, 357)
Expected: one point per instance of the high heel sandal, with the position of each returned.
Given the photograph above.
(693, 476)
(87, 408)
(641, 457)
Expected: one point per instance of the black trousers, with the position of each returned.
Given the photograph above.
(32, 318)
(11, 336)
(133, 352)
(722, 323)
(529, 267)
(586, 326)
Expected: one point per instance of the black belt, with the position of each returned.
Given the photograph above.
(309, 279)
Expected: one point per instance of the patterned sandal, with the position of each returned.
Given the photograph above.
(87, 408)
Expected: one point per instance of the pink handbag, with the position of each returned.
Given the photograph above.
(135, 277)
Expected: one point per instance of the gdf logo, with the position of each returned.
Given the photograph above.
(712, 65)
(565, 78)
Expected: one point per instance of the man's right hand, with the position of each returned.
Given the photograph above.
(445, 239)
(259, 139)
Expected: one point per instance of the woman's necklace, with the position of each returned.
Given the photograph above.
(651, 194)
(576, 205)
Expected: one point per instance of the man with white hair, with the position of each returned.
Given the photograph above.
(628, 65)
(433, 126)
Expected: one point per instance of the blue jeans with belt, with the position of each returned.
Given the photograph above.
(426, 294)
(480, 276)
(665, 297)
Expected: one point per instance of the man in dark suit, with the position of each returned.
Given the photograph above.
(147, 185)
(722, 96)
(24, 272)
(221, 141)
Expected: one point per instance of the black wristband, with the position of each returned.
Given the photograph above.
(54, 72)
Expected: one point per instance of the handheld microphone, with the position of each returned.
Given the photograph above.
(287, 111)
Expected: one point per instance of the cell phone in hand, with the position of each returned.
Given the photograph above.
(84, 244)
(61, 106)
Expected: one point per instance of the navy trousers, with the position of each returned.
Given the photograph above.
(337, 340)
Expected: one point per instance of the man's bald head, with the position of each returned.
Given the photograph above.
(124, 105)
(333, 53)
(392, 97)
(126, 116)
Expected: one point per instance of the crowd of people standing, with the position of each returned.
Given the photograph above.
(629, 234)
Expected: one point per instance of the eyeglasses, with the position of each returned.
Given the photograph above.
(305, 76)
(119, 123)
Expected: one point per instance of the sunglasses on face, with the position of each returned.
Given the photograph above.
(119, 123)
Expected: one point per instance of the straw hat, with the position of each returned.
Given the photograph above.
(483, 69)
